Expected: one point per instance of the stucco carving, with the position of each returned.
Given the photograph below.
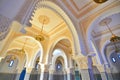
(4, 26)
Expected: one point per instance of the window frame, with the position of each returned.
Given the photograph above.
(11, 63)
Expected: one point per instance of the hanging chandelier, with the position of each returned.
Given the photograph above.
(43, 20)
(40, 37)
(114, 38)
(100, 1)
(21, 51)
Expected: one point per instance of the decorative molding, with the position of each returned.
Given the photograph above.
(25, 12)
(4, 26)
(82, 11)
(105, 33)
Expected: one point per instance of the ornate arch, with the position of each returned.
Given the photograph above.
(103, 15)
(49, 57)
(59, 11)
(59, 55)
(40, 45)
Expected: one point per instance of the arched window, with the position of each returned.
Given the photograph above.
(36, 63)
(58, 66)
(113, 59)
(36, 66)
(11, 63)
(119, 56)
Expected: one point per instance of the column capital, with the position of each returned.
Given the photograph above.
(1, 58)
(84, 65)
(51, 71)
(69, 70)
(83, 62)
(101, 68)
(44, 67)
(91, 54)
(29, 69)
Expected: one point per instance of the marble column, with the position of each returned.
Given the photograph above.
(109, 73)
(90, 69)
(51, 73)
(70, 73)
(85, 74)
(18, 72)
(39, 74)
(103, 73)
(44, 72)
(28, 72)
(86, 68)
(65, 75)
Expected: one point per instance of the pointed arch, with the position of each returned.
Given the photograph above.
(107, 13)
(59, 11)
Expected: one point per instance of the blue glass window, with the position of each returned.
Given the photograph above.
(113, 59)
(36, 66)
(59, 67)
(118, 56)
(11, 63)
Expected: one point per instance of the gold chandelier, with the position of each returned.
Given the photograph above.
(114, 39)
(100, 1)
(40, 37)
(44, 20)
(22, 50)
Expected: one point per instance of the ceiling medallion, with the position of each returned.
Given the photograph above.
(44, 18)
(100, 1)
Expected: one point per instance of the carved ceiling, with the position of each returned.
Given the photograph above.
(114, 25)
(26, 43)
(79, 7)
(65, 45)
(4, 26)
(52, 20)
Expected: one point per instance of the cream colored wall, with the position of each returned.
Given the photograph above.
(4, 66)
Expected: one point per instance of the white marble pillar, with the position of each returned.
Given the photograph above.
(28, 72)
(102, 72)
(109, 73)
(86, 67)
(65, 74)
(51, 73)
(90, 69)
(44, 72)
(85, 74)
(70, 73)
(18, 72)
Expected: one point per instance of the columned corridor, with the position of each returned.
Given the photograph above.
(59, 40)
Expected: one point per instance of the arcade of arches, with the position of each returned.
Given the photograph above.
(59, 40)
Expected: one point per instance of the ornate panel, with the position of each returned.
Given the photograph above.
(4, 26)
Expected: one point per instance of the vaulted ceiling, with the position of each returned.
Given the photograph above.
(80, 9)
